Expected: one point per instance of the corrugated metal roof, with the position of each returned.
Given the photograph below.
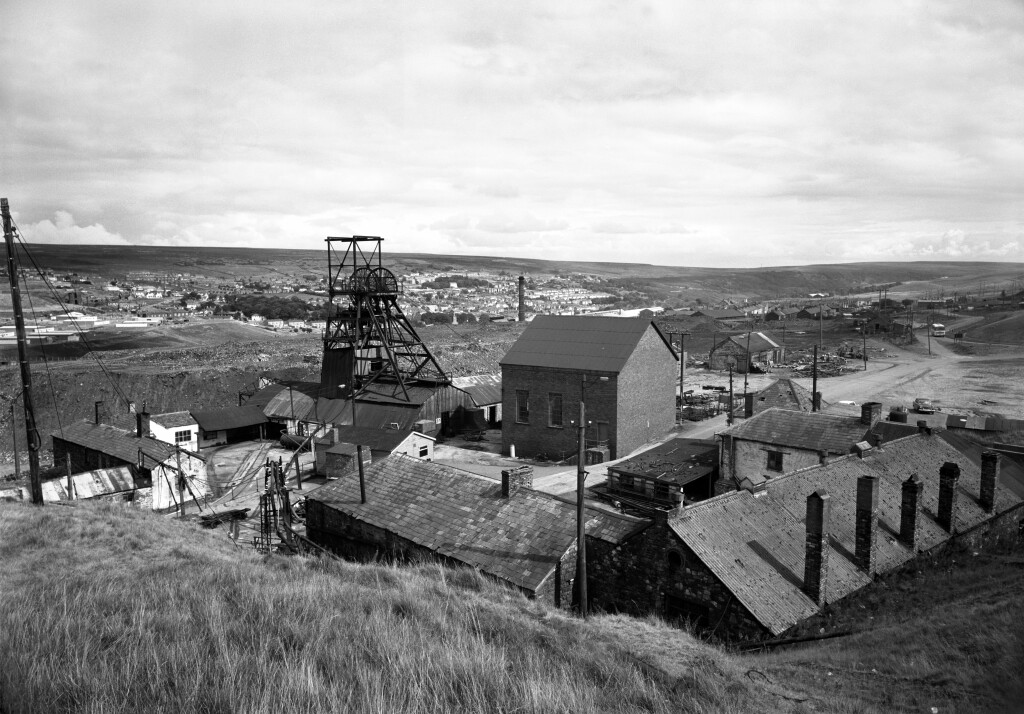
(755, 546)
(289, 404)
(262, 397)
(463, 516)
(376, 439)
(110, 440)
(172, 420)
(759, 342)
(484, 388)
(599, 344)
(90, 484)
(813, 431)
(229, 418)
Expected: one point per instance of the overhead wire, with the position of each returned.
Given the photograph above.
(81, 333)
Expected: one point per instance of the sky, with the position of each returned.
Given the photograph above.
(724, 134)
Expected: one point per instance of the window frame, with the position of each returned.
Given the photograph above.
(183, 436)
(553, 398)
(775, 461)
(522, 406)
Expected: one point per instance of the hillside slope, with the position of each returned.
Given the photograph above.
(107, 608)
(115, 610)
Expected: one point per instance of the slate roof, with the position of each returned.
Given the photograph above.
(814, 431)
(720, 314)
(677, 461)
(755, 546)
(90, 484)
(173, 420)
(599, 344)
(229, 418)
(785, 394)
(485, 389)
(463, 516)
(110, 440)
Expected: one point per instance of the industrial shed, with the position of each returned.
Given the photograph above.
(232, 425)
(754, 563)
(745, 351)
(417, 510)
(625, 371)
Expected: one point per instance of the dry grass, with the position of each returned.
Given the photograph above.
(113, 610)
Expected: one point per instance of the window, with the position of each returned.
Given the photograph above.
(208, 435)
(775, 461)
(555, 410)
(661, 491)
(626, 481)
(674, 560)
(523, 406)
(424, 452)
(182, 437)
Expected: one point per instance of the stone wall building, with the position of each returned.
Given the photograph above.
(779, 441)
(754, 563)
(623, 370)
(416, 510)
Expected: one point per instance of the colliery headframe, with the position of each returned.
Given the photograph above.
(370, 347)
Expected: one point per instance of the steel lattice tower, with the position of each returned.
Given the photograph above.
(370, 347)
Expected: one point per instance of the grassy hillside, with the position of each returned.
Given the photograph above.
(108, 609)
(113, 610)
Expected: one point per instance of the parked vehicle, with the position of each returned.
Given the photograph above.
(924, 406)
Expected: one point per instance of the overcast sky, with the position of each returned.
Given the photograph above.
(679, 133)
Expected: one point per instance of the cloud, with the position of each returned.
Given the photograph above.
(64, 231)
(734, 135)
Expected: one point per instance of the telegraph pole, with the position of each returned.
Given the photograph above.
(581, 525)
(31, 434)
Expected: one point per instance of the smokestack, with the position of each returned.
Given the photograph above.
(142, 424)
(989, 475)
(870, 413)
(522, 299)
(819, 506)
(514, 479)
(867, 522)
(98, 408)
(909, 507)
(748, 405)
(949, 477)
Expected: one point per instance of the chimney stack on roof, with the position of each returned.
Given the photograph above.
(866, 522)
(514, 479)
(989, 475)
(142, 424)
(909, 507)
(748, 405)
(949, 477)
(923, 428)
(819, 505)
(98, 407)
(870, 413)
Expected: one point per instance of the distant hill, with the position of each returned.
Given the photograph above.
(751, 283)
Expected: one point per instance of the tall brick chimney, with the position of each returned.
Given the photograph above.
(870, 413)
(866, 522)
(989, 475)
(98, 407)
(819, 506)
(142, 424)
(949, 477)
(522, 298)
(748, 405)
(909, 507)
(514, 479)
